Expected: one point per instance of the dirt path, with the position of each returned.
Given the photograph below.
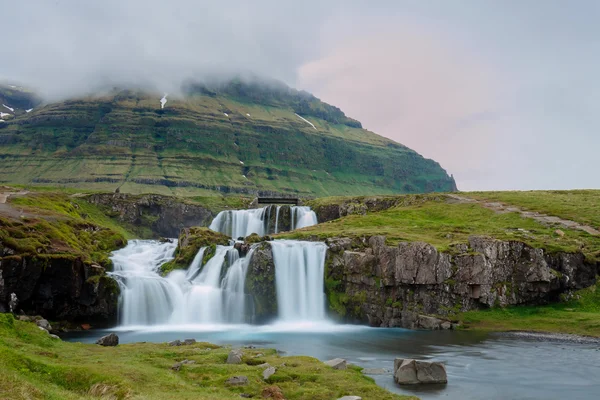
(543, 218)
(6, 209)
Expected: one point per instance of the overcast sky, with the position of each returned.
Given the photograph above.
(504, 94)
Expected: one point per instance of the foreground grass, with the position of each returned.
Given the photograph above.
(35, 366)
(437, 220)
(579, 316)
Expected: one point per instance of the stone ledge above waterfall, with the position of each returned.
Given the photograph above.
(190, 241)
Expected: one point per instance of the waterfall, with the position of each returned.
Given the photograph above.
(299, 274)
(146, 298)
(277, 219)
(302, 217)
(241, 223)
(204, 295)
(214, 292)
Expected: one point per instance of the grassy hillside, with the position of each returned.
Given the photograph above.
(35, 366)
(440, 220)
(234, 137)
(582, 206)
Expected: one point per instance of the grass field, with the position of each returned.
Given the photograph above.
(582, 206)
(35, 366)
(580, 315)
(437, 220)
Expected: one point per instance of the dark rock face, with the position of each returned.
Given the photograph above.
(260, 283)
(164, 215)
(59, 288)
(108, 340)
(394, 286)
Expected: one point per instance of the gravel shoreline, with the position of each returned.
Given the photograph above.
(550, 337)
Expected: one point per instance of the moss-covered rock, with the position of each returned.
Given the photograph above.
(190, 241)
(260, 283)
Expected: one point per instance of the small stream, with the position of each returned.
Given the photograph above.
(480, 366)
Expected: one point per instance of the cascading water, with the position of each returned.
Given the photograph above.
(197, 295)
(215, 292)
(241, 223)
(146, 297)
(302, 217)
(299, 273)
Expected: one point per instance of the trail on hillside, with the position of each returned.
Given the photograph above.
(6, 209)
(540, 217)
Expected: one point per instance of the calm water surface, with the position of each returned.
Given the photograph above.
(480, 366)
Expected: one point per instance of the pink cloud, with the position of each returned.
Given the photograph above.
(415, 87)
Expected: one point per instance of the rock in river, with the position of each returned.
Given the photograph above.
(412, 372)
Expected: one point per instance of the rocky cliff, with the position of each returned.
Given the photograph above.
(59, 287)
(403, 286)
(161, 215)
(395, 285)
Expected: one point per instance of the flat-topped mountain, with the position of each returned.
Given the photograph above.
(233, 137)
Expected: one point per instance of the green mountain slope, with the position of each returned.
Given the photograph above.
(232, 138)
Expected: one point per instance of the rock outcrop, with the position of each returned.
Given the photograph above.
(260, 283)
(413, 372)
(398, 286)
(415, 286)
(163, 215)
(59, 287)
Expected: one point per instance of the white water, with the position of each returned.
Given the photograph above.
(307, 121)
(163, 101)
(302, 217)
(241, 223)
(194, 296)
(146, 298)
(299, 272)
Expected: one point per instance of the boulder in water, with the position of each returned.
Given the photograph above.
(235, 357)
(337, 363)
(267, 373)
(237, 381)
(412, 372)
(108, 340)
